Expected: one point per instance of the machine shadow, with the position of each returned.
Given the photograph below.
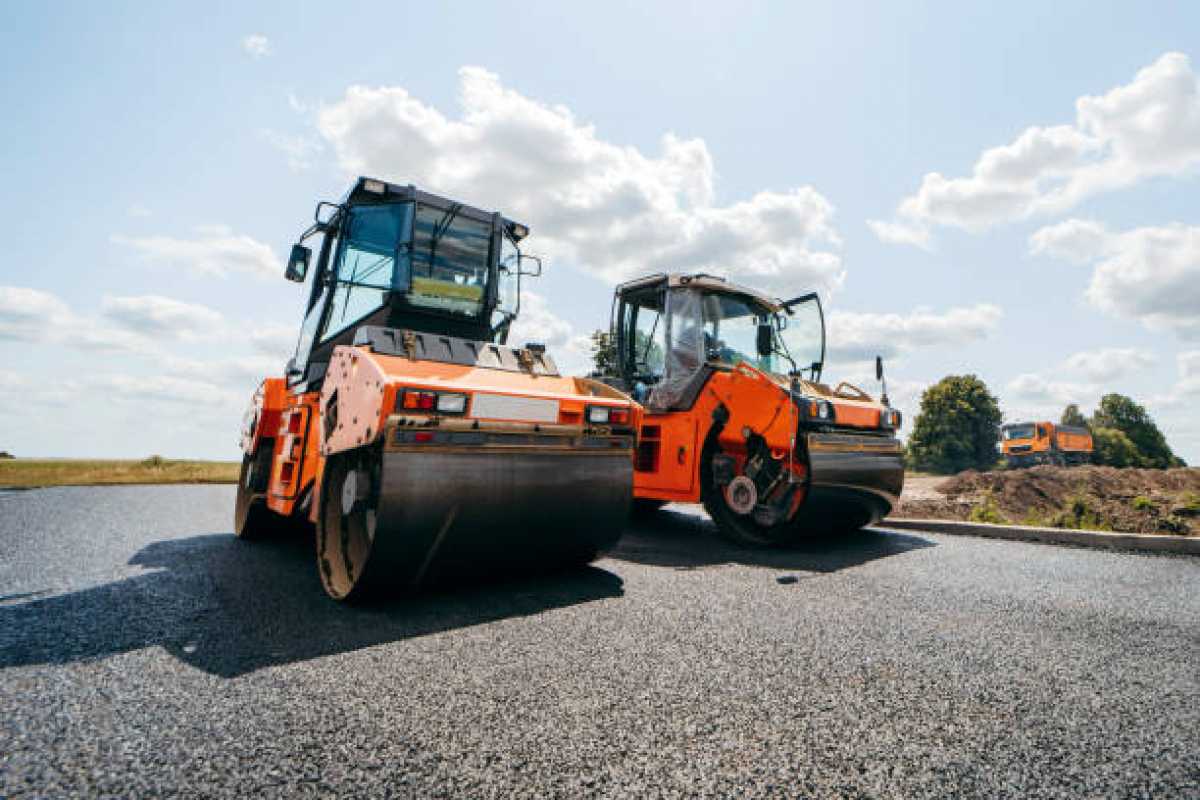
(229, 608)
(676, 538)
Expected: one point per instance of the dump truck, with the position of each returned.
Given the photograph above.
(1025, 444)
(406, 431)
(735, 414)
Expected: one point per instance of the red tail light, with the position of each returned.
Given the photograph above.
(619, 416)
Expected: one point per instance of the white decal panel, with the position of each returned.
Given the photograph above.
(524, 409)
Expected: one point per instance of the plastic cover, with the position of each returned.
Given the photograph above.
(684, 349)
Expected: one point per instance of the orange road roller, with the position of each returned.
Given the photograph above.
(418, 442)
(736, 416)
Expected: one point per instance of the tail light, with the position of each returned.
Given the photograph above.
(598, 415)
(443, 402)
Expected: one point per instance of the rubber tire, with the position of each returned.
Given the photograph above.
(737, 529)
(252, 519)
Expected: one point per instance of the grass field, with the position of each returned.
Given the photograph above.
(29, 472)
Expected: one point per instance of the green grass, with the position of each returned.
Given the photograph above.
(1142, 503)
(30, 472)
(988, 511)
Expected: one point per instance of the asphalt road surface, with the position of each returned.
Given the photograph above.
(144, 651)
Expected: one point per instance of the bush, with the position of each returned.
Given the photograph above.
(1113, 448)
(1079, 515)
(957, 427)
(988, 511)
(154, 462)
(1118, 412)
(1142, 503)
(5, 454)
(1073, 416)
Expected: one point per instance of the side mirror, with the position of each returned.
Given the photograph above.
(878, 368)
(534, 260)
(764, 340)
(297, 266)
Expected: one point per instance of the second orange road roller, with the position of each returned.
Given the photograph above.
(737, 416)
(406, 429)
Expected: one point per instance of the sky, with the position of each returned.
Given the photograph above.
(1011, 191)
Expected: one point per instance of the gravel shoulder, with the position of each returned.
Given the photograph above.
(1089, 497)
(144, 651)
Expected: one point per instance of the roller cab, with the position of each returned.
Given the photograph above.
(407, 431)
(736, 415)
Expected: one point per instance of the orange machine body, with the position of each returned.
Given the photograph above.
(1029, 443)
(372, 388)
(668, 462)
(740, 421)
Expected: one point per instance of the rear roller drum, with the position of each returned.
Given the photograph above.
(251, 517)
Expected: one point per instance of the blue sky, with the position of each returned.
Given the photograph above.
(160, 159)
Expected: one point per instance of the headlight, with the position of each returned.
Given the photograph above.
(813, 408)
(452, 403)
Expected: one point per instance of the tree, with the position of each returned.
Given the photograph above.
(1113, 448)
(957, 427)
(1073, 416)
(604, 353)
(1120, 413)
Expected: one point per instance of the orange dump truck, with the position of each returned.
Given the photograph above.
(1025, 444)
(416, 440)
(736, 415)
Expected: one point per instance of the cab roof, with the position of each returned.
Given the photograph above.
(699, 280)
(374, 189)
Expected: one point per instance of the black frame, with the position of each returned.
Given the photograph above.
(396, 305)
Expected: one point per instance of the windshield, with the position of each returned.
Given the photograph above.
(731, 330)
(1018, 432)
(450, 257)
(801, 328)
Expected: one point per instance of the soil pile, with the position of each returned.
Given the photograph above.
(1103, 498)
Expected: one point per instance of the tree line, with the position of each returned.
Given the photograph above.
(958, 427)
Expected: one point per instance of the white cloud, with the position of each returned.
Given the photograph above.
(214, 251)
(29, 314)
(1150, 274)
(900, 233)
(1046, 393)
(855, 336)
(1146, 128)
(1108, 363)
(156, 316)
(256, 45)
(537, 323)
(612, 209)
(301, 151)
(278, 341)
(193, 390)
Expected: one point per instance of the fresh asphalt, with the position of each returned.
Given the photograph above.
(146, 652)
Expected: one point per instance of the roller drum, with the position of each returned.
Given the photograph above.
(433, 514)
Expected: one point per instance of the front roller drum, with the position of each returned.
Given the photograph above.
(395, 520)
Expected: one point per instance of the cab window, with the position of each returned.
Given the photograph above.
(366, 265)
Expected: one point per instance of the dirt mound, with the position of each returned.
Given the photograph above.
(1107, 498)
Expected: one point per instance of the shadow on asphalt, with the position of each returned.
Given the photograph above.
(230, 607)
(672, 538)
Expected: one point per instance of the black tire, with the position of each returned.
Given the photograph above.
(738, 529)
(251, 517)
(345, 542)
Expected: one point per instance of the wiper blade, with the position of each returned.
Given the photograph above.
(439, 230)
